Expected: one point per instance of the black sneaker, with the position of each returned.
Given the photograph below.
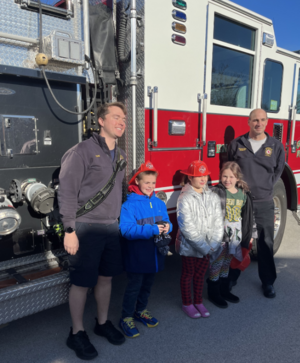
(82, 346)
(107, 330)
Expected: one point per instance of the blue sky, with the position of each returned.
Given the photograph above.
(285, 15)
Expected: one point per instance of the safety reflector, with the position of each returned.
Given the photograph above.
(180, 4)
(178, 39)
(179, 28)
(179, 15)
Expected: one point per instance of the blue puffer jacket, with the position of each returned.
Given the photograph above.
(137, 225)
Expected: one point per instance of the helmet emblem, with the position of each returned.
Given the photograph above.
(149, 165)
(202, 169)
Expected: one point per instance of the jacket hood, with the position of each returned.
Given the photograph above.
(135, 189)
(134, 197)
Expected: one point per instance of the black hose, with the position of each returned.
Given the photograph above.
(65, 109)
(122, 38)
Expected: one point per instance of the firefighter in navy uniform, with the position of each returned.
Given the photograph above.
(262, 160)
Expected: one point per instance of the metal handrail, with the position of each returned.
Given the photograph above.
(204, 119)
(294, 114)
(155, 115)
(18, 38)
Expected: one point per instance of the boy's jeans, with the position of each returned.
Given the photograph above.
(137, 292)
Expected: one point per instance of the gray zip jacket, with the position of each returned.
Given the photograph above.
(85, 169)
(200, 222)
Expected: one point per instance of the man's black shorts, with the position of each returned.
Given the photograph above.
(99, 253)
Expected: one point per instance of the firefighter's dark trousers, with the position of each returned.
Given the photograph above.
(264, 218)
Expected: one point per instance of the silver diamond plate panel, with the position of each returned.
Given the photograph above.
(15, 20)
(31, 259)
(126, 97)
(29, 298)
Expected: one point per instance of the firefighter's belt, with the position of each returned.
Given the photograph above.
(104, 192)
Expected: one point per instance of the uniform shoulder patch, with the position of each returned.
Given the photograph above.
(242, 149)
(268, 151)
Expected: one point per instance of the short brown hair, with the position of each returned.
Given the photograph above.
(143, 173)
(103, 110)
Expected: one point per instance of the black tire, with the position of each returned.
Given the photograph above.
(280, 211)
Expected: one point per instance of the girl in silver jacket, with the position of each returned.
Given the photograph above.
(199, 237)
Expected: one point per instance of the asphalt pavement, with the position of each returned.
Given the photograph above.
(256, 330)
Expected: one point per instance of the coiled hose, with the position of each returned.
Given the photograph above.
(122, 38)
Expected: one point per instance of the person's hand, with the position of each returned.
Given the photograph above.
(161, 228)
(251, 240)
(166, 228)
(71, 243)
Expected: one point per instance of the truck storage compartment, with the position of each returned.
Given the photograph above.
(32, 284)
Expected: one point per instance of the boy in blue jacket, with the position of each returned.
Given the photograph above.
(139, 215)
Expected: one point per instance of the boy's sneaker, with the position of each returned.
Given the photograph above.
(82, 346)
(129, 328)
(146, 318)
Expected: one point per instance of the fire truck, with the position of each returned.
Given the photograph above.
(189, 73)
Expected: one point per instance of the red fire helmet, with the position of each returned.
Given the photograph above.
(196, 168)
(147, 166)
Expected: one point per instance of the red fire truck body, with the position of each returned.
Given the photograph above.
(229, 65)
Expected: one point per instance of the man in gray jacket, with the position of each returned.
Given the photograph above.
(92, 240)
(262, 159)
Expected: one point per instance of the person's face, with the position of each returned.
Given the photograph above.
(198, 182)
(228, 179)
(146, 184)
(257, 123)
(113, 125)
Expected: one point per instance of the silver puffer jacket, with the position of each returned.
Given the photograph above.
(200, 221)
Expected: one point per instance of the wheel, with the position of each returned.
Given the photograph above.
(280, 210)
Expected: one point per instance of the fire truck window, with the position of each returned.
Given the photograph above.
(234, 33)
(298, 95)
(57, 8)
(271, 96)
(56, 3)
(231, 83)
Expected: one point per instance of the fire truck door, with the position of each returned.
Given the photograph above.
(294, 135)
(171, 130)
(231, 80)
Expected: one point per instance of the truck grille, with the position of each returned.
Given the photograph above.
(278, 131)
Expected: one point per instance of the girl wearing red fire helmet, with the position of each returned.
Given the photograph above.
(199, 238)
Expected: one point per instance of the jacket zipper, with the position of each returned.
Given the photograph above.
(156, 262)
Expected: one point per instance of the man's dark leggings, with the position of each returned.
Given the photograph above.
(264, 218)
